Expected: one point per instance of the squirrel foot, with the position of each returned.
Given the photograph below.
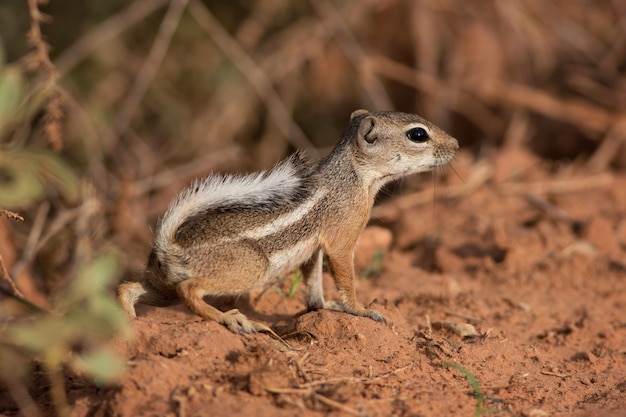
(238, 323)
(370, 314)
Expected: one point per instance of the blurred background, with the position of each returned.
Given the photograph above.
(107, 109)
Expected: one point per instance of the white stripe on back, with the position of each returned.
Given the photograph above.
(225, 190)
(284, 220)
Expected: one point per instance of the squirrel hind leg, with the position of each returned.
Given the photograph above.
(192, 292)
(131, 293)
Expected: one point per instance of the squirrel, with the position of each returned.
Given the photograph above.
(227, 234)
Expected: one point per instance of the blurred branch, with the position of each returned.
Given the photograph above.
(4, 276)
(610, 145)
(558, 186)
(353, 50)
(30, 249)
(11, 215)
(147, 73)
(196, 167)
(255, 75)
(289, 49)
(21, 396)
(14, 292)
(579, 113)
(464, 104)
(105, 31)
(39, 60)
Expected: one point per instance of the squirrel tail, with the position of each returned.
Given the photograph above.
(131, 293)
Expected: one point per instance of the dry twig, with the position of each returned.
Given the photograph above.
(40, 61)
(255, 75)
(147, 73)
(4, 276)
(110, 28)
(11, 215)
(337, 25)
(558, 186)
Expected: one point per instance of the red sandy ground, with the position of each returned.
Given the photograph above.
(545, 291)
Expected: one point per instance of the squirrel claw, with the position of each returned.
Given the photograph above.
(334, 306)
(374, 315)
(370, 314)
(239, 323)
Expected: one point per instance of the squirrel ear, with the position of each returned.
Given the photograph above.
(367, 131)
(358, 113)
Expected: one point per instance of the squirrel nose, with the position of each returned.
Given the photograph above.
(454, 144)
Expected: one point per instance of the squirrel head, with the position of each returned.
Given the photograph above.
(393, 144)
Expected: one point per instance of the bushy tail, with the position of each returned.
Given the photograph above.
(131, 293)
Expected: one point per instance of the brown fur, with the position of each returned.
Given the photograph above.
(230, 247)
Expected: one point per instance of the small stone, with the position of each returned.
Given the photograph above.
(536, 412)
(460, 329)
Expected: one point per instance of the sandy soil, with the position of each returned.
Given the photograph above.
(544, 287)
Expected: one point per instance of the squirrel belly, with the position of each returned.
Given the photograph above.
(227, 234)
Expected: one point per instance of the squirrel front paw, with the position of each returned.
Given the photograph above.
(371, 314)
(363, 312)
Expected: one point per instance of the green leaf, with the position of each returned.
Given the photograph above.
(41, 335)
(108, 317)
(11, 93)
(24, 174)
(102, 365)
(55, 170)
(92, 278)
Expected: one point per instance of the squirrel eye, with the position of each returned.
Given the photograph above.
(418, 134)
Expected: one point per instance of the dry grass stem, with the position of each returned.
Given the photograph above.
(579, 113)
(4, 276)
(255, 75)
(336, 24)
(337, 405)
(11, 215)
(147, 73)
(547, 207)
(21, 396)
(30, 248)
(464, 317)
(464, 103)
(40, 61)
(105, 31)
(559, 186)
(613, 141)
(197, 167)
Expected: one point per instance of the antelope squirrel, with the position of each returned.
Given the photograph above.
(227, 234)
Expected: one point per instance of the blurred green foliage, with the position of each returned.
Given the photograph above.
(27, 172)
(25, 175)
(82, 319)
